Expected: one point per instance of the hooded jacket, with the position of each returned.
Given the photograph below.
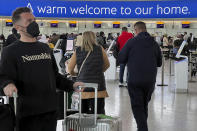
(142, 55)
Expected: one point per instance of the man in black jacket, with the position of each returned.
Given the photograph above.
(142, 55)
(28, 67)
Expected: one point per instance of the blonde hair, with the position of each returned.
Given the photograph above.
(89, 39)
(165, 35)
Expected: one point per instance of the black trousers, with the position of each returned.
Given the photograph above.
(140, 95)
(42, 122)
(88, 106)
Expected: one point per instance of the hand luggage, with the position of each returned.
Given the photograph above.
(114, 124)
(60, 104)
(65, 98)
(7, 113)
(91, 122)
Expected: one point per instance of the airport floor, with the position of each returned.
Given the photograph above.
(168, 111)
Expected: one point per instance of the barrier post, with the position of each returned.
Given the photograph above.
(190, 67)
(170, 67)
(162, 72)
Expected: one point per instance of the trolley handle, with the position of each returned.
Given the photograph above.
(15, 96)
(95, 87)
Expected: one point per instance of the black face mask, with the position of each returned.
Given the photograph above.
(33, 29)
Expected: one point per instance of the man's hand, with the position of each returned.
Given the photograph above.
(76, 85)
(9, 90)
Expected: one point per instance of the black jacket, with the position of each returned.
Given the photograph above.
(32, 68)
(142, 55)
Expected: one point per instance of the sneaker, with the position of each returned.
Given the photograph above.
(121, 84)
(125, 84)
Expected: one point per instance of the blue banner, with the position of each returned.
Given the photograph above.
(104, 9)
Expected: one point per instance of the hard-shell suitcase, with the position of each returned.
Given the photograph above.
(90, 122)
(114, 124)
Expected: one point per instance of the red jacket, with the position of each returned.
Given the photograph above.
(123, 38)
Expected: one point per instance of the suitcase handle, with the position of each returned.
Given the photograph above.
(95, 87)
(15, 96)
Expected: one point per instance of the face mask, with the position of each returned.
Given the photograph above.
(33, 29)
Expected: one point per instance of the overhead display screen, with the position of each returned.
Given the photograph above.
(97, 25)
(73, 25)
(160, 25)
(9, 24)
(54, 24)
(104, 9)
(116, 25)
(185, 25)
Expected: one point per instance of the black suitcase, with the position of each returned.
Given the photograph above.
(7, 115)
(60, 104)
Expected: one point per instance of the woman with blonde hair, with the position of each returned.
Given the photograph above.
(92, 62)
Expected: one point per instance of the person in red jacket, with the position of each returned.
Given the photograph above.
(121, 41)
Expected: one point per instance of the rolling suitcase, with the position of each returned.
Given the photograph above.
(90, 122)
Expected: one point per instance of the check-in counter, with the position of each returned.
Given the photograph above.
(181, 75)
(113, 72)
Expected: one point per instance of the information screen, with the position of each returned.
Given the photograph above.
(54, 24)
(70, 45)
(160, 25)
(97, 25)
(178, 55)
(116, 25)
(73, 25)
(9, 24)
(185, 25)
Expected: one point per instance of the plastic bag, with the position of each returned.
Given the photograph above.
(75, 101)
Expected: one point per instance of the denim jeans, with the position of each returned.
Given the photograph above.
(121, 74)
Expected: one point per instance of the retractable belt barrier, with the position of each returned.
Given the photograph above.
(162, 71)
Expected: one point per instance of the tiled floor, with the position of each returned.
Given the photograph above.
(168, 111)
